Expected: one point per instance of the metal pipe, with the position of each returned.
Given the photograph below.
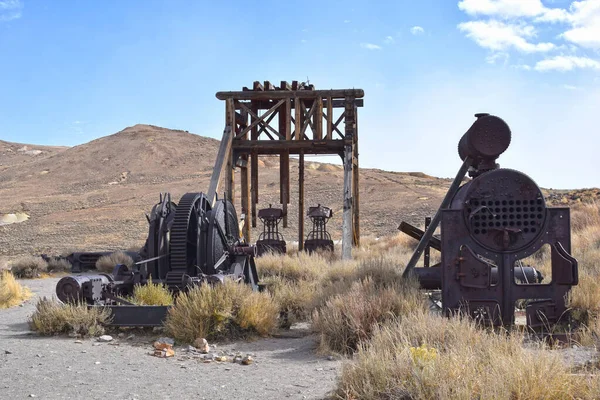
(435, 221)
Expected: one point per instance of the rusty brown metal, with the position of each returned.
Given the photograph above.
(318, 238)
(490, 225)
(271, 240)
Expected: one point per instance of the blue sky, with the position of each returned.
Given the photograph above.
(72, 71)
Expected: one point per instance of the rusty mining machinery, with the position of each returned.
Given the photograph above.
(318, 238)
(489, 225)
(271, 240)
(194, 241)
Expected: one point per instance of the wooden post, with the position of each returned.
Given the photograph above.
(318, 119)
(254, 167)
(298, 108)
(347, 207)
(329, 118)
(355, 184)
(245, 202)
(230, 172)
(285, 113)
(222, 157)
(301, 201)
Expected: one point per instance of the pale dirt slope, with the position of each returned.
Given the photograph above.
(94, 196)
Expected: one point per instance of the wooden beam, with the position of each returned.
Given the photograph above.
(283, 94)
(230, 173)
(284, 160)
(253, 185)
(293, 146)
(267, 104)
(285, 86)
(269, 86)
(257, 86)
(347, 205)
(220, 164)
(318, 119)
(329, 118)
(257, 119)
(301, 202)
(298, 120)
(245, 201)
(355, 185)
(307, 120)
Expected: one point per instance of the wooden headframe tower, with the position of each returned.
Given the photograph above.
(292, 119)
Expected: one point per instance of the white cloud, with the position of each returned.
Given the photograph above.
(523, 67)
(585, 24)
(501, 36)
(388, 40)
(513, 9)
(370, 46)
(496, 57)
(417, 30)
(566, 63)
(570, 87)
(347, 21)
(303, 41)
(10, 9)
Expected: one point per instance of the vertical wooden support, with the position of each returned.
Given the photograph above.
(301, 201)
(230, 175)
(254, 168)
(355, 184)
(298, 108)
(347, 207)
(285, 113)
(329, 118)
(253, 185)
(245, 196)
(318, 119)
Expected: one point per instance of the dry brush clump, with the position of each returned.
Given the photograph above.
(349, 318)
(29, 267)
(57, 265)
(11, 291)
(52, 318)
(584, 298)
(108, 263)
(423, 356)
(151, 294)
(223, 311)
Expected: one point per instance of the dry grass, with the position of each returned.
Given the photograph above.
(58, 265)
(348, 319)
(224, 311)
(28, 267)
(108, 263)
(52, 317)
(151, 294)
(11, 291)
(584, 299)
(423, 356)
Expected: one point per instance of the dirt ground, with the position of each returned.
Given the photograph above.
(59, 368)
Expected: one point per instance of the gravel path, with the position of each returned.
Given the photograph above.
(60, 368)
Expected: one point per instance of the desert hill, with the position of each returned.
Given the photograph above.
(94, 196)
(15, 154)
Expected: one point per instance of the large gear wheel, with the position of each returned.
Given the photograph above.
(187, 239)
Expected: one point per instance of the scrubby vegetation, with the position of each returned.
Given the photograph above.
(108, 263)
(423, 356)
(230, 310)
(152, 294)
(11, 291)
(29, 267)
(57, 265)
(51, 318)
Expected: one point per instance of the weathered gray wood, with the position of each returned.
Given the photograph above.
(258, 119)
(220, 164)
